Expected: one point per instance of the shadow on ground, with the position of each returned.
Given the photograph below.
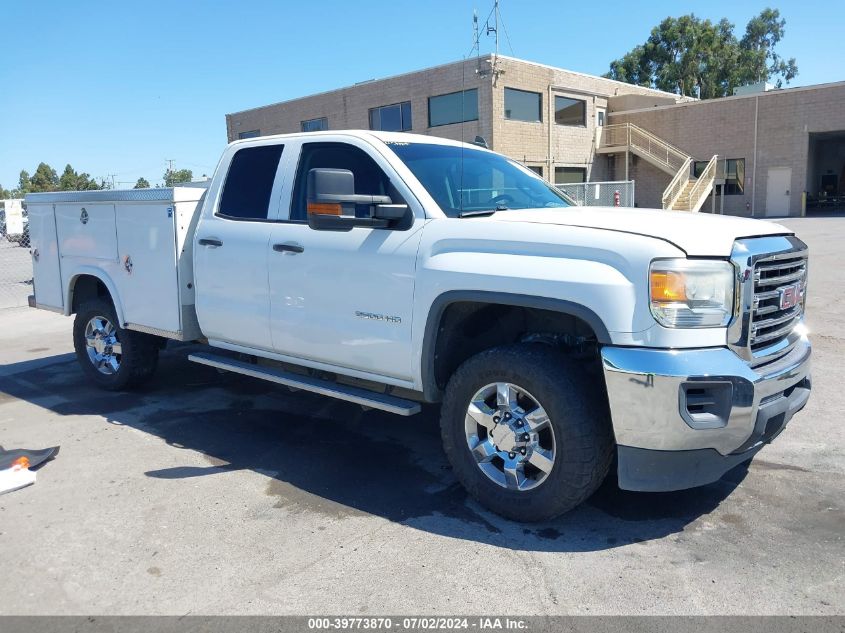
(333, 458)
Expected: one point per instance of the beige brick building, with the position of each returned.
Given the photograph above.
(556, 122)
(788, 143)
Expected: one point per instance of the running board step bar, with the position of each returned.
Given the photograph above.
(363, 397)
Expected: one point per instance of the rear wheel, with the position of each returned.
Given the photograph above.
(114, 358)
(526, 434)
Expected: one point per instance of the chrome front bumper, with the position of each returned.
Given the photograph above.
(682, 418)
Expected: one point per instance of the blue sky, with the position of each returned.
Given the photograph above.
(119, 87)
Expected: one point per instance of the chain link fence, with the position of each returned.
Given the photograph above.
(15, 260)
(600, 194)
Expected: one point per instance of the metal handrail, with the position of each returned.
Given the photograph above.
(677, 184)
(611, 132)
(633, 136)
(629, 134)
(703, 184)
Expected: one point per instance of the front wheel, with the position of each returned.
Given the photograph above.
(114, 358)
(527, 435)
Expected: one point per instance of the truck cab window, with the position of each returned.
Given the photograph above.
(369, 177)
(246, 193)
(464, 179)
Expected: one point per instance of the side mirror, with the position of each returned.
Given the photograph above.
(331, 203)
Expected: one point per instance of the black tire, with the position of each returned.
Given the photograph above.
(139, 357)
(579, 417)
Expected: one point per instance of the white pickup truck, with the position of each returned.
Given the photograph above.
(394, 269)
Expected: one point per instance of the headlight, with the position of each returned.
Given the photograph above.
(692, 293)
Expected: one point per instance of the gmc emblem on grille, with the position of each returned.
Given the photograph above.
(790, 296)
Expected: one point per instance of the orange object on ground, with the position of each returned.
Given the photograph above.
(21, 462)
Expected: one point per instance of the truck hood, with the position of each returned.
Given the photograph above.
(697, 234)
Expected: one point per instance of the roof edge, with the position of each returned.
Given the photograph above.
(777, 91)
(589, 76)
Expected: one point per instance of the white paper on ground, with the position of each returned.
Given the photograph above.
(15, 478)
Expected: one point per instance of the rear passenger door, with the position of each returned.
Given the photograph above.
(344, 298)
(231, 251)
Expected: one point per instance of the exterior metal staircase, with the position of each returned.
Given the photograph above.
(685, 191)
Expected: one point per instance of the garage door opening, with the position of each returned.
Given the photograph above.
(826, 172)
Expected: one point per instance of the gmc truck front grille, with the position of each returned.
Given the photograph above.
(778, 300)
(772, 279)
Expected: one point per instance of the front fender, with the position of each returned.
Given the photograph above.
(598, 276)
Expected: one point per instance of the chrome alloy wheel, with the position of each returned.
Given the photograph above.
(510, 436)
(104, 350)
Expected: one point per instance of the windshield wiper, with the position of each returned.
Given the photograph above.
(479, 212)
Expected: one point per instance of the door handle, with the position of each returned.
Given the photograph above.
(288, 247)
(210, 241)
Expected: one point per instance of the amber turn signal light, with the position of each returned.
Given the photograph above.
(324, 208)
(667, 286)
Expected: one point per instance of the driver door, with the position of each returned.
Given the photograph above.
(344, 298)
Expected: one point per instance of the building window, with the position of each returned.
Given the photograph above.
(568, 175)
(250, 134)
(315, 125)
(521, 105)
(734, 173)
(246, 192)
(454, 107)
(391, 118)
(537, 169)
(570, 111)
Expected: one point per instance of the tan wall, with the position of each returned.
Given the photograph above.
(701, 130)
(348, 108)
(726, 127)
(546, 143)
(637, 102)
(542, 144)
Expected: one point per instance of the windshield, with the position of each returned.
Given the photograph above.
(463, 180)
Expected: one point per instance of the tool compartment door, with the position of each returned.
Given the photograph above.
(44, 246)
(86, 230)
(147, 277)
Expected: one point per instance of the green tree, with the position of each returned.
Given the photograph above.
(142, 183)
(45, 178)
(173, 177)
(87, 183)
(24, 184)
(695, 57)
(760, 62)
(72, 181)
(68, 179)
(633, 68)
(4, 193)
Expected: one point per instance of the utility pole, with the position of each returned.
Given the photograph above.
(494, 60)
(495, 27)
(170, 162)
(475, 36)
